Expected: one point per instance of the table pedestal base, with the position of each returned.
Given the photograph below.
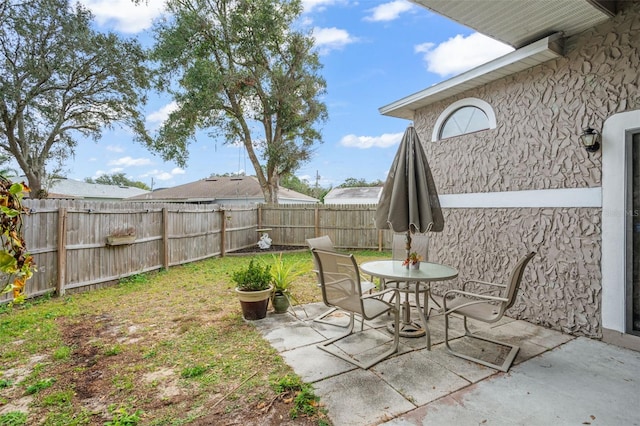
(412, 329)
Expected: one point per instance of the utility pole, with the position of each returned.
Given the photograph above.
(317, 183)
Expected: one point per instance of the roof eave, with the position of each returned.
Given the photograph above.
(536, 53)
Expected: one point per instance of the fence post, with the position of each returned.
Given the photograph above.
(223, 233)
(165, 238)
(62, 251)
(316, 222)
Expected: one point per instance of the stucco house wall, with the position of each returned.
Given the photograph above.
(539, 112)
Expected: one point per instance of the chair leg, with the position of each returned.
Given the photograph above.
(320, 319)
(504, 367)
(396, 342)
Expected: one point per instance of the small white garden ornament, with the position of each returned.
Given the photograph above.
(265, 241)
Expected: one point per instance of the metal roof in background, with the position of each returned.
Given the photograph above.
(520, 22)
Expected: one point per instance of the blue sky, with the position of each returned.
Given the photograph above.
(373, 52)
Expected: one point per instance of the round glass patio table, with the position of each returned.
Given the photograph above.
(394, 270)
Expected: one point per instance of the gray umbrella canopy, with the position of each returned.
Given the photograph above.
(409, 201)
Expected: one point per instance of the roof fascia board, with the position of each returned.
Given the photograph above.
(526, 57)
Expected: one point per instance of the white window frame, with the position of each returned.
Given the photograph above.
(472, 102)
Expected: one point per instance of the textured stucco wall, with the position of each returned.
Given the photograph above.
(561, 286)
(539, 114)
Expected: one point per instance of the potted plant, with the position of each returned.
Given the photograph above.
(122, 236)
(413, 261)
(253, 287)
(282, 276)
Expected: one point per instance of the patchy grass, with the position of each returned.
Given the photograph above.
(166, 348)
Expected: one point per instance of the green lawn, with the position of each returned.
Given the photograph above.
(166, 348)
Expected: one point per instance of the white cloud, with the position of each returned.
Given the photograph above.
(115, 148)
(159, 116)
(162, 175)
(459, 54)
(128, 162)
(310, 5)
(388, 11)
(365, 142)
(115, 170)
(328, 39)
(125, 15)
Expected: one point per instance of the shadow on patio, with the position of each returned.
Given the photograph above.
(556, 378)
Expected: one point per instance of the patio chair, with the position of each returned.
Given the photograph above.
(487, 308)
(325, 243)
(341, 288)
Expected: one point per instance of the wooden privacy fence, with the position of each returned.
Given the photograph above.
(350, 226)
(68, 238)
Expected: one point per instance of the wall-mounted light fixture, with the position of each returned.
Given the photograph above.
(590, 139)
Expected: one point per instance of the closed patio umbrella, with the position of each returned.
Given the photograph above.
(409, 200)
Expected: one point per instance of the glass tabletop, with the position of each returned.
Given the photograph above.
(393, 269)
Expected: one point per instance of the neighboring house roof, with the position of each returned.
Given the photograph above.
(69, 188)
(355, 195)
(523, 21)
(222, 189)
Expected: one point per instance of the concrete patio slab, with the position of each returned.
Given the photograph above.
(557, 379)
(581, 382)
(360, 397)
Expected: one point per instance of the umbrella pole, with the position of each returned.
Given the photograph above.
(408, 246)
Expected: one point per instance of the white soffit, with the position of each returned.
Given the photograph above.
(526, 57)
(518, 22)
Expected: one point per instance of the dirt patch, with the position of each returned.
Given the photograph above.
(104, 371)
(273, 249)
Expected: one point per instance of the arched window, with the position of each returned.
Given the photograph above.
(464, 116)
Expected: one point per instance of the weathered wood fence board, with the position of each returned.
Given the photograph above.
(350, 226)
(68, 238)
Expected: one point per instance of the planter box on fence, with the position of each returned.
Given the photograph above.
(119, 240)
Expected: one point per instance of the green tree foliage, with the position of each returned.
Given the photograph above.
(294, 183)
(238, 68)
(5, 171)
(16, 264)
(60, 79)
(354, 183)
(118, 179)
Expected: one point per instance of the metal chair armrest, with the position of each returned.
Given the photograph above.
(379, 294)
(464, 285)
(480, 298)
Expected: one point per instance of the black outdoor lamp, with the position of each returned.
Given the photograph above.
(590, 138)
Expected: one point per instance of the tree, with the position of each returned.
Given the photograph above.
(16, 264)
(239, 69)
(118, 179)
(294, 183)
(353, 183)
(5, 171)
(59, 79)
